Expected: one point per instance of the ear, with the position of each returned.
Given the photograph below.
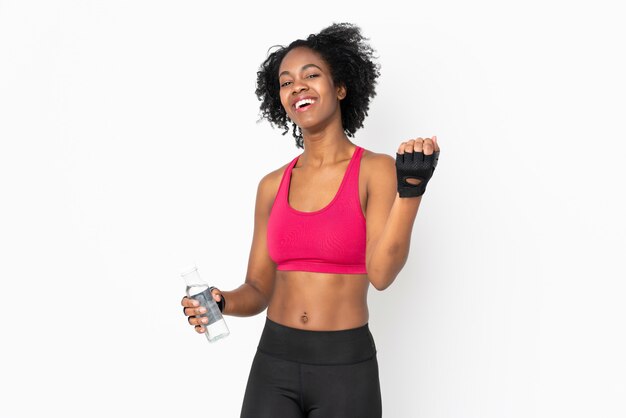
(342, 92)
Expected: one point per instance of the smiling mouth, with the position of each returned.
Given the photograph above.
(303, 104)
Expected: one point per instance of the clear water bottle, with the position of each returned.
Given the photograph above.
(198, 289)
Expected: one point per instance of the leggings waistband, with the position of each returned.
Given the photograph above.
(317, 347)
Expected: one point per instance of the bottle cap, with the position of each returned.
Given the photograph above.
(188, 269)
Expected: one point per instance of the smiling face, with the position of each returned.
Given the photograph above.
(307, 91)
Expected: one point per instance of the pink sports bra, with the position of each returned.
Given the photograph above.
(329, 240)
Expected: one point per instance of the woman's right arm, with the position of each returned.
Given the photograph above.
(253, 296)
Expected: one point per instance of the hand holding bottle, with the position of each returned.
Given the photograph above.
(201, 301)
(192, 308)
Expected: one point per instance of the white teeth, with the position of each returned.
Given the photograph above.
(303, 102)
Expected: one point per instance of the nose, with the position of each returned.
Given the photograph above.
(298, 87)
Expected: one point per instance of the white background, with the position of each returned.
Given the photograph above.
(130, 147)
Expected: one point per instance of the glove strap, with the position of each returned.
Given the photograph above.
(412, 190)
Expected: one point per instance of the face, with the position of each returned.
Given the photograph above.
(307, 91)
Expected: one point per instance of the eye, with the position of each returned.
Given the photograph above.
(312, 75)
(285, 84)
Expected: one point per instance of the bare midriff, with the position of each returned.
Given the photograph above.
(319, 301)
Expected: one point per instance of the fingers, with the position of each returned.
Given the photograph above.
(195, 311)
(192, 307)
(413, 145)
(191, 310)
(197, 321)
(189, 303)
(217, 295)
(428, 146)
(436, 144)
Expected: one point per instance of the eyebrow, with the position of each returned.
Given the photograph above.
(302, 69)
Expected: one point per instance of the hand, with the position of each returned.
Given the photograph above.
(196, 314)
(415, 164)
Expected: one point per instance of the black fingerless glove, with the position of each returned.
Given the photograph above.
(414, 165)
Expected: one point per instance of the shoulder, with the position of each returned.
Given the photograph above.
(377, 160)
(378, 166)
(273, 178)
(269, 184)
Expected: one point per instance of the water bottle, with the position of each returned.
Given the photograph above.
(198, 289)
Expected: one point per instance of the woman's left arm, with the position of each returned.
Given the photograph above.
(391, 214)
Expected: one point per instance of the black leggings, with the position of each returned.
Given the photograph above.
(299, 373)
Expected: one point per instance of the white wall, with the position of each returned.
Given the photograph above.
(129, 147)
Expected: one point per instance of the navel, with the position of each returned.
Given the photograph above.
(304, 318)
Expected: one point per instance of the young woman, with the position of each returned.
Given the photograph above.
(334, 220)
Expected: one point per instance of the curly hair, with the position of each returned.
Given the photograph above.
(351, 62)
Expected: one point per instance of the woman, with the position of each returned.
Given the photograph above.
(327, 225)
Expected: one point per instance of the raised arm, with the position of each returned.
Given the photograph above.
(390, 218)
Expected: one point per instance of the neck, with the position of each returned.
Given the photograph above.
(325, 146)
(326, 150)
